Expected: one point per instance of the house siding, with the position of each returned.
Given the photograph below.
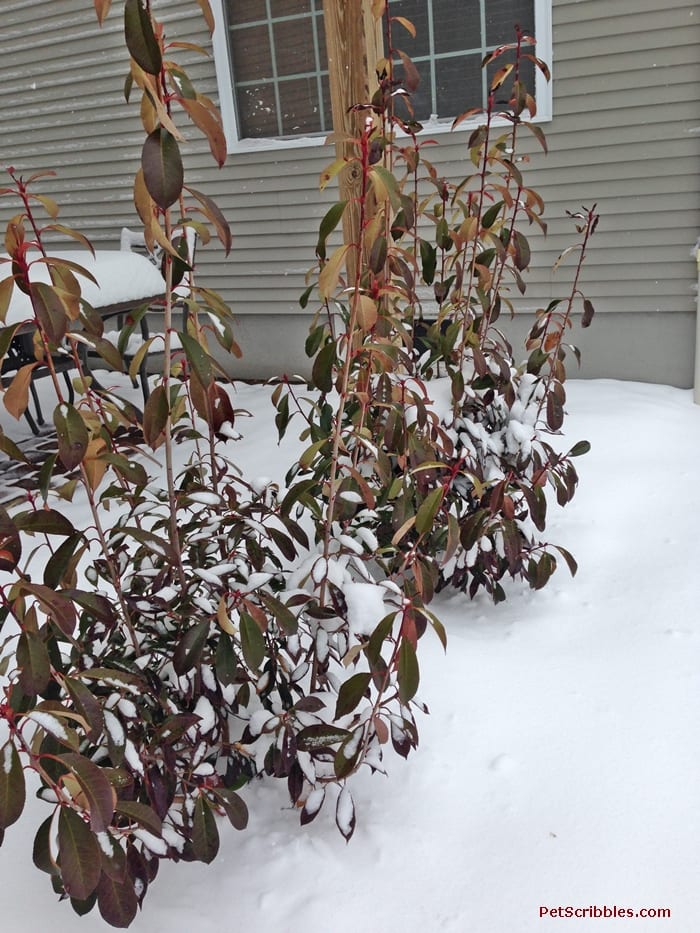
(625, 135)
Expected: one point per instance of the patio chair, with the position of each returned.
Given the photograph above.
(21, 353)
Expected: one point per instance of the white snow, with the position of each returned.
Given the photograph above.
(559, 763)
(48, 723)
(121, 275)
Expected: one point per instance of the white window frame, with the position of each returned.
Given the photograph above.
(234, 143)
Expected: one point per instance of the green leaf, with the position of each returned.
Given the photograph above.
(425, 515)
(116, 900)
(322, 370)
(96, 788)
(129, 470)
(408, 673)
(44, 521)
(234, 806)
(12, 788)
(320, 736)
(385, 185)
(78, 855)
(522, 251)
(163, 173)
(155, 416)
(205, 835)
(72, 435)
(327, 226)
(198, 358)
(351, 692)
(225, 663)
(83, 907)
(428, 255)
(569, 558)
(140, 37)
(579, 449)
(143, 815)
(343, 763)
(252, 642)
(49, 310)
(489, 217)
(284, 616)
(189, 649)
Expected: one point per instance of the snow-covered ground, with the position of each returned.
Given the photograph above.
(558, 767)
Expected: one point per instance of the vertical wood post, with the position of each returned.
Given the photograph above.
(353, 47)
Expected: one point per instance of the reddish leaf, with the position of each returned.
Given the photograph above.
(213, 214)
(57, 605)
(102, 9)
(163, 172)
(78, 855)
(96, 787)
(33, 663)
(234, 806)
(10, 541)
(207, 122)
(16, 396)
(12, 788)
(116, 900)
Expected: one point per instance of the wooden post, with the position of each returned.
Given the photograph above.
(353, 47)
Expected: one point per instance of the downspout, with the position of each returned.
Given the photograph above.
(696, 389)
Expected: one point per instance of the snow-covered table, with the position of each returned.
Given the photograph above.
(124, 281)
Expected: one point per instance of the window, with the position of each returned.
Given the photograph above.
(273, 77)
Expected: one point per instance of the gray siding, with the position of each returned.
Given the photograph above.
(625, 134)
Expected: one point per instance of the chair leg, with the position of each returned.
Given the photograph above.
(37, 406)
(69, 386)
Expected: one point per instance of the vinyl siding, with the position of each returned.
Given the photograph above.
(625, 135)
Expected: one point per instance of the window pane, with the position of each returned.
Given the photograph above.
(286, 7)
(299, 106)
(252, 56)
(243, 11)
(502, 16)
(459, 28)
(458, 83)
(416, 11)
(257, 115)
(294, 47)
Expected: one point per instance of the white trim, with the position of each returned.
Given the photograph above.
(234, 144)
